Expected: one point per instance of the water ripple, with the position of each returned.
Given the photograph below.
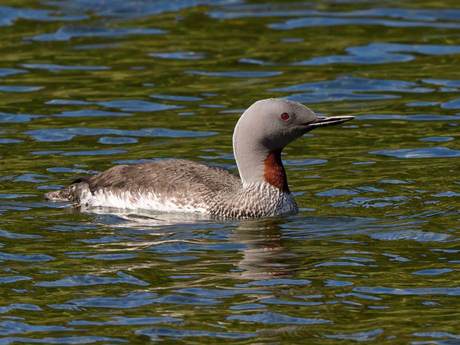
(15, 235)
(426, 152)
(443, 82)
(275, 318)
(90, 113)
(419, 117)
(454, 104)
(376, 53)
(8, 15)
(156, 332)
(62, 340)
(437, 335)
(266, 10)
(237, 74)
(20, 88)
(12, 118)
(117, 321)
(8, 280)
(321, 97)
(137, 105)
(433, 272)
(15, 327)
(186, 300)
(328, 21)
(352, 84)
(453, 291)
(68, 32)
(419, 236)
(359, 336)
(117, 140)
(54, 134)
(437, 139)
(124, 105)
(93, 153)
(26, 257)
(179, 55)
(125, 10)
(10, 71)
(92, 280)
(395, 182)
(10, 141)
(216, 293)
(58, 68)
(125, 301)
(282, 302)
(177, 98)
(446, 194)
(298, 162)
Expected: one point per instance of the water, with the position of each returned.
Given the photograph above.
(373, 255)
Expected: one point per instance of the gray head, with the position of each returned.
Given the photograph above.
(267, 127)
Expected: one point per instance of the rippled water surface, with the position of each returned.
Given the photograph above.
(373, 255)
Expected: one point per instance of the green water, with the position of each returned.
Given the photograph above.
(373, 255)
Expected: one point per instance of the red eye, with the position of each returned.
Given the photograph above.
(285, 116)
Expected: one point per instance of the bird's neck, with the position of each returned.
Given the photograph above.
(257, 163)
(274, 173)
(261, 166)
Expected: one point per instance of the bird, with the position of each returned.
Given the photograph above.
(260, 190)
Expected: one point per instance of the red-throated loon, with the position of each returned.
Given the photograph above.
(261, 190)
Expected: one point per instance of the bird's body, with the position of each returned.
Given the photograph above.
(186, 186)
(177, 186)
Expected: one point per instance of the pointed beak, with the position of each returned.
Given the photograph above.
(323, 121)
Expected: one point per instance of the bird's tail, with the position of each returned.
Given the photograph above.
(70, 193)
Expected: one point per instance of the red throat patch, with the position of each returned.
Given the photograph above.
(274, 173)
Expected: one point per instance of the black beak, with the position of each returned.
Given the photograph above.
(323, 121)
